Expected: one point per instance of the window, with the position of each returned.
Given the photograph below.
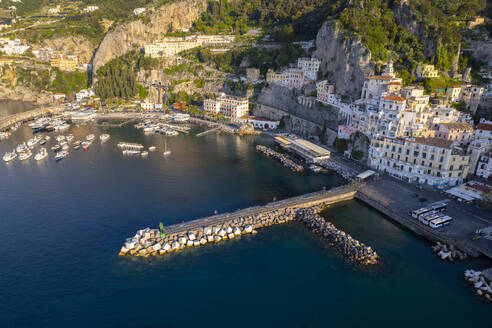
(440, 166)
(424, 155)
(408, 151)
(416, 153)
(441, 159)
(432, 157)
(451, 167)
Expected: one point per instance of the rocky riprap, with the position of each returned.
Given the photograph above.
(449, 252)
(284, 159)
(482, 287)
(330, 165)
(149, 242)
(354, 250)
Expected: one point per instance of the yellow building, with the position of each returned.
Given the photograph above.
(424, 71)
(65, 64)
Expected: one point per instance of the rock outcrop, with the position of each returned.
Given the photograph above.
(72, 45)
(175, 16)
(344, 61)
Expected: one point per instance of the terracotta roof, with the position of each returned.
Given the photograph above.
(381, 77)
(457, 125)
(436, 142)
(396, 98)
(484, 126)
(395, 83)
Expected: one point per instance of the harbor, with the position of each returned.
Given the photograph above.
(95, 200)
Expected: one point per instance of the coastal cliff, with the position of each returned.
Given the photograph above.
(72, 45)
(344, 62)
(176, 16)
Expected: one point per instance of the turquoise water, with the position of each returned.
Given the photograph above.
(62, 225)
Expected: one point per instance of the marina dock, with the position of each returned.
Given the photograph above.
(10, 120)
(207, 132)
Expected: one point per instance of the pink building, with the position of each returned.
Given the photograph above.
(345, 131)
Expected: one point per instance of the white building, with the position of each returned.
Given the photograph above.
(230, 106)
(173, 46)
(309, 66)
(483, 131)
(424, 160)
(484, 167)
(345, 132)
(83, 94)
(263, 123)
(90, 9)
(139, 11)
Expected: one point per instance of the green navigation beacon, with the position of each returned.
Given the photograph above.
(161, 229)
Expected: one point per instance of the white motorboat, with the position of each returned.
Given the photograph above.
(21, 148)
(69, 137)
(61, 127)
(144, 154)
(10, 156)
(43, 153)
(86, 144)
(166, 152)
(61, 155)
(4, 135)
(33, 141)
(56, 148)
(104, 137)
(25, 155)
(152, 148)
(90, 137)
(76, 144)
(65, 147)
(171, 133)
(60, 137)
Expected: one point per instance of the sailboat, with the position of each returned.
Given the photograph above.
(166, 152)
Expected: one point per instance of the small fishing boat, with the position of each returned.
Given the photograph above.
(152, 148)
(76, 144)
(56, 148)
(41, 155)
(61, 155)
(90, 137)
(144, 154)
(25, 155)
(104, 137)
(85, 145)
(60, 137)
(10, 156)
(21, 148)
(65, 146)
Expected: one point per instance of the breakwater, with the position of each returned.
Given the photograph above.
(344, 243)
(151, 242)
(480, 280)
(282, 158)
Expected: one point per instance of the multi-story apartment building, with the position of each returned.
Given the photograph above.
(294, 78)
(484, 166)
(325, 92)
(273, 77)
(426, 71)
(64, 63)
(483, 131)
(231, 106)
(424, 160)
(173, 46)
(310, 66)
(461, 132)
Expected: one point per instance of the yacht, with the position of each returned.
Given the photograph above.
(10, 156)
(56, 148)
(25, 155)
(166, 152)
(41, 155)
(90, 137)
(61, 155)
(21, 148)
(33, 141)
(152, 148)
(104, 137)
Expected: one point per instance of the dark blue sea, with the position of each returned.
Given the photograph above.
(62, 224)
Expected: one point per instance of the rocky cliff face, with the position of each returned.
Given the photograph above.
(405, 17)
(178, 15)
(73, 45)
(345, 62)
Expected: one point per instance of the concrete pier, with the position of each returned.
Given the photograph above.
(10, 120)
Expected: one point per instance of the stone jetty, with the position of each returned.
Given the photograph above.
(282, 158)
(333, 166)
(149, 242)
(480, 280)
(353, 249)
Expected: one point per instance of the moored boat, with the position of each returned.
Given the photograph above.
(152, 148)
(90, 137)
(104, 137)
(21, 148)
(25, 155)
(43, 153)
(144, 154)
(56, 148)
(10, 156)
(61, 155)
(85, 145)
